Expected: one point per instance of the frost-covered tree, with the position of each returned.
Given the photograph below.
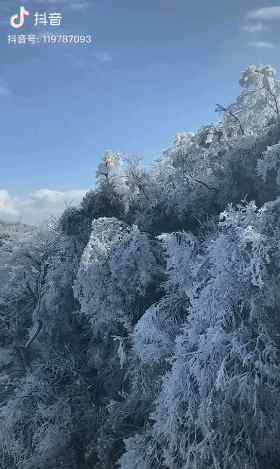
(155, 333)
(120, 275)
(268, 168)
(258, 104)
(141, 330)
(111, 187)
(219, 405)
(120, 268)
(47, 393)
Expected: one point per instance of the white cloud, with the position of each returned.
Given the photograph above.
(8, 211)
(255, 27)
(262, 44)
(37, 206)
(266, 13)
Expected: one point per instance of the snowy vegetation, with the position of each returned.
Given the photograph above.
(142, 329)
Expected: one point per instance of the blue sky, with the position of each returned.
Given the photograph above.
(156, 67)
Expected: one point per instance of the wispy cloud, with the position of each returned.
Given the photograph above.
(266, 13)
(4, 89)
(79, 5)
(37, 206)
(255, 27)
(262, 44)
(97, 60)
(103, 57)
(72, 4)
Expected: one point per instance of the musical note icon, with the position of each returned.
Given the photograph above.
(17, 21)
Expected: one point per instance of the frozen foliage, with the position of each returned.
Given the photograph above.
(119, 266)
(155, 333)
(258, 103)
(219, 404)
(141, 331)
(269, 164)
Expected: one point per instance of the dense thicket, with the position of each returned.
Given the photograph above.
(142, 330)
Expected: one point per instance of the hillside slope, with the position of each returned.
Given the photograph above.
(143, 330)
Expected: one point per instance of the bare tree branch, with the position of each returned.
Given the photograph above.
(210, 188)
(36, 333)
(220, 108)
